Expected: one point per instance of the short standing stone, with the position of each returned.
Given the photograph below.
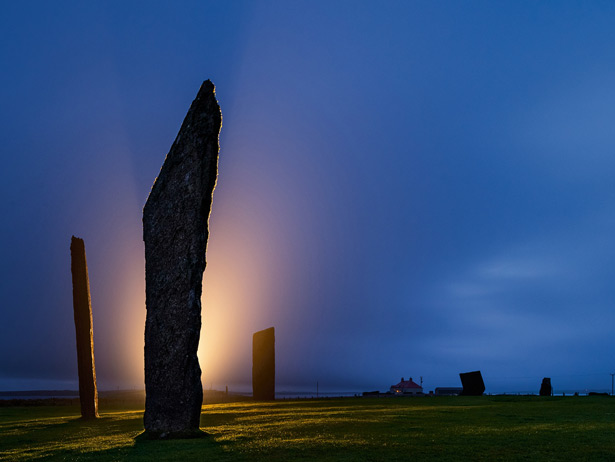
(263, 365)
(545, 387)
(175, 231)
(472, 382)
(82, 309)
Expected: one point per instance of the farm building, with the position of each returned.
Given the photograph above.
(448, 391)
(406, 387)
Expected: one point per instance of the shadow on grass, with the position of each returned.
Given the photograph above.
(111, 437)
(144, 448)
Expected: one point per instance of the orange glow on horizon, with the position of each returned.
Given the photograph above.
(237, 290)
(241, 283)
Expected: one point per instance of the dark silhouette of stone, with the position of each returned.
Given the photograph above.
(263, 365)
(82, 309)
(545, 387)
(175, 232)
(472, 383)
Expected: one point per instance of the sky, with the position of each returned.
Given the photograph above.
(406, 189)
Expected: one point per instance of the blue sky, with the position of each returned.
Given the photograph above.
(405, 188)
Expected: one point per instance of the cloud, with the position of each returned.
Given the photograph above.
(528, 303)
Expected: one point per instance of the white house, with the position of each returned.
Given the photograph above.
(406, 387)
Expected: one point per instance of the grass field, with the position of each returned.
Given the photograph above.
(350, 429)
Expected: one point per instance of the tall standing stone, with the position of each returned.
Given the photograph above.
(82, 308)
(263, 365)
(175, 231)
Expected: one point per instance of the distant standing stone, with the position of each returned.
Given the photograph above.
(175, 232)
(545, 387)
(263, 365)
(472, 382)
(82, 310)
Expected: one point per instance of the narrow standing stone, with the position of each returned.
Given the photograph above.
(82, 307)
(263, 365)
(545, 387)
(175, 232)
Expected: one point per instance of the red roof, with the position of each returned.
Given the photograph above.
(406, 384)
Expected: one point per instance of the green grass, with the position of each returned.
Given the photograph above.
(351, 429)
